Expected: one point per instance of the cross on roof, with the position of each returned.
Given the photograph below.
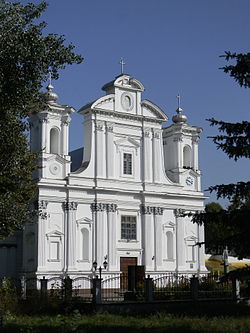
(179, 100)
(122, 63)
(50, 78)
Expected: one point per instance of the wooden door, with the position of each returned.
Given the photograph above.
(127, 261)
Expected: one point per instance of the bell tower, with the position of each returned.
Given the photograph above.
(49, 131)
(180, 145)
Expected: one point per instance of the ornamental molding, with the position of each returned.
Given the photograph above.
(195, 139)
(126, 116)
(42, 204)
(148, 210)
(111, 208)
(99, 126)
(179, 212)
(101, 207)
(43, 215)
(109, 127)
(72, 205)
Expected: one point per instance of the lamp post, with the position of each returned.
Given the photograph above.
(105, 264)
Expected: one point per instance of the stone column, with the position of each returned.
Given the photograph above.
(99, 210)
(148, 237)
(44, 135)
(70, 239)
(180, 243)
(110, 150)
(100, 150)
(147, 155)
(42, 221)
(112, 221)
(195, 141)
(158, 211)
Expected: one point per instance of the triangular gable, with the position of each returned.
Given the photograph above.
(54, 233)
(127, 142)
(151, 110)
(84, 220)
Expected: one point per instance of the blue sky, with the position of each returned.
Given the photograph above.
(171, 47)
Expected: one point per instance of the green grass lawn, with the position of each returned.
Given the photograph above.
(161, 322)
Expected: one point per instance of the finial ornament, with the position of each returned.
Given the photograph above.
(122, 63)
(50, 78)
(179, 118)
(51, 95)
(179, 100)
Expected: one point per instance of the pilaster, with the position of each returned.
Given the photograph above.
(70, 208)
(147, 155)
(156, 156)
(100, 150)
(152, 241)
(110, 150)
(180, 244)
(99, 211)
(111, 215)
(42, 221)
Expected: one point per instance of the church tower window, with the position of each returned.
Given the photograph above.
(54, 141)
(186, 157)
(128, 227)
(127, 164)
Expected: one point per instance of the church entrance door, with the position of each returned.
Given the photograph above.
(125, 262)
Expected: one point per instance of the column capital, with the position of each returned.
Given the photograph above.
(158, 210)
(147, 210)
(98, 207)
(111, 208)
(72, 205)
(179, 212)
(42, 204)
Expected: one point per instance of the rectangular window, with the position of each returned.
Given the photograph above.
(128, 227)
(127, 164)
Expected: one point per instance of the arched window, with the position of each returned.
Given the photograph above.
(170, 245)
(54, 141)
(85, 244)
(187, 157)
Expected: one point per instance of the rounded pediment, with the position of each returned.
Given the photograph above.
(124, 81)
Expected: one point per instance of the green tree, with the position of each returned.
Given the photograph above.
(234, 140)
(27, 56)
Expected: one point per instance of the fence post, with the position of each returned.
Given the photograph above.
(236, 289)
(97, 291)
(44, 287)
(149, 289)
(194, 287)
(67, 288)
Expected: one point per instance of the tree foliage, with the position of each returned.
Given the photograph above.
(233, 222)
(27, 56)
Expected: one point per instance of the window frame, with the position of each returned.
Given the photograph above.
(127, 165)
(130, 232)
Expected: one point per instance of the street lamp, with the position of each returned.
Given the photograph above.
(105, 265)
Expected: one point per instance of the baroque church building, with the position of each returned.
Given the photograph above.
(121, 199)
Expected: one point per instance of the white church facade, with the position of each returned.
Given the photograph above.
(123, 204)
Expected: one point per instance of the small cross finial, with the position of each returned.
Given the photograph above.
(50, 78)
(179, 100)
(122, 63)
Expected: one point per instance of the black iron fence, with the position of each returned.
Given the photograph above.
(124, 288)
